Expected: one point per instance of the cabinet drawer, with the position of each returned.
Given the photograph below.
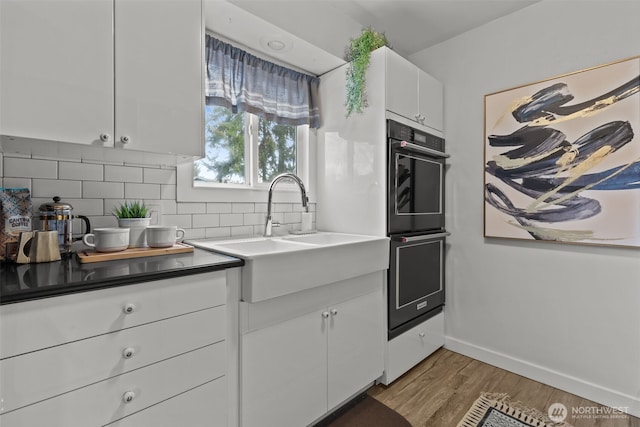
(103, 402)
(408, 349)
(47, 322)
(204, 406)
(36, 376)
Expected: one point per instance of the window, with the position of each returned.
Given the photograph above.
(245, 150)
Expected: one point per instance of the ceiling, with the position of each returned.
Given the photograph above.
(314, 33)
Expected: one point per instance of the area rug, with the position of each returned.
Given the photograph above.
(366, 412)
(497, 410)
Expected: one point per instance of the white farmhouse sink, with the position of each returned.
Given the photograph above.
(276, 266)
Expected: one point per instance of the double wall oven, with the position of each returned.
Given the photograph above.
(415, 225)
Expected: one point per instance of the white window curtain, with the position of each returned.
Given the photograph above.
(243, 82)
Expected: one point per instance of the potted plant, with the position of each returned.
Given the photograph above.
(135, 216)
(358, 54)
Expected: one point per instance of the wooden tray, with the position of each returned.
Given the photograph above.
(90, 255)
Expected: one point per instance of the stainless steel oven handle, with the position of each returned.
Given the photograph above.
(421, 149)
(423, 237)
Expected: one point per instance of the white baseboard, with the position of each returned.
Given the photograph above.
(585, 389)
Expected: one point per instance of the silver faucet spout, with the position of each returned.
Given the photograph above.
(303, 193)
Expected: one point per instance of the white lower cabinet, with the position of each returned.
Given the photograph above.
(408, 349)
(355, 354)
(297, 370)
(128, 355)
(284, 373)
(203, 406)
(111, 399)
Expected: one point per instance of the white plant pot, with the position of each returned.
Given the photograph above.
(137, 230)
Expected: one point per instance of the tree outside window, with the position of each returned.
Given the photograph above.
(242, 148)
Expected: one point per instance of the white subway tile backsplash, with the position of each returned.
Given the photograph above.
(80, 171)
(291, 217)
(195, 233)
(192, 208)
(94, 188)
(98, 221)
(260, 207)
(206, 220)
(103, 190)
(242, 207)
(282, 207)
(231, 219)
(86, 206)
(141, 191)
(213, 233)
(122, 173)
(218, 207)
(168, 206)
(160, 176)
(30, 168)
(254, 218)
(244, 230)
(17, 183)
(182, 221)
(49, 187)
(168, 191)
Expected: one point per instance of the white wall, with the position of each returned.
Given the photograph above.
(566, 315)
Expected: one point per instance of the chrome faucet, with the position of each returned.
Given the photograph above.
(305, 200)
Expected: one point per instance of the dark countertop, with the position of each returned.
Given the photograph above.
(22, 282)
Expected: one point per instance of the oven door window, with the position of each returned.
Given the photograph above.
(418, 186)
(418, 272)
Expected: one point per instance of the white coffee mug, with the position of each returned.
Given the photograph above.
(163, 236)
(107, 239)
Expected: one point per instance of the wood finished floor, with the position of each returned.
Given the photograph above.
(439, 391)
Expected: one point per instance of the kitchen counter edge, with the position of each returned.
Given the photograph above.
(25, 282)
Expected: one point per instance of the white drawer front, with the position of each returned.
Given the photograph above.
(36, 376)
(38, 324)
(408, 349)
(205, 406)
(103, 402)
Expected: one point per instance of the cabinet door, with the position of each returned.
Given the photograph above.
(401, 86)
(284, 373)
(159, 88)
(356, 345)
(56, 68)
(430, 100)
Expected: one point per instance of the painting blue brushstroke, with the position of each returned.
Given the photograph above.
(541, 163)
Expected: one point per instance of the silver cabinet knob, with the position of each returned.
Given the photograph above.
(125, 139)
(105, 137)
(128, 352)
(129, 308)
(334, 312)
(128, 397)
(421, 334)
(325, 314)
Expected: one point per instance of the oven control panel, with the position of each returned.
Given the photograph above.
(402, 132)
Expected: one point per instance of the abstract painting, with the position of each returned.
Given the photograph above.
(562, 158)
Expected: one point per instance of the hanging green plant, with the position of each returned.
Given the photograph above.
(358, 54)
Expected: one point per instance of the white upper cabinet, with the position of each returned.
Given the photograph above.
(112, 73)
(159, 82)
(56, 79)
(412, 93)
